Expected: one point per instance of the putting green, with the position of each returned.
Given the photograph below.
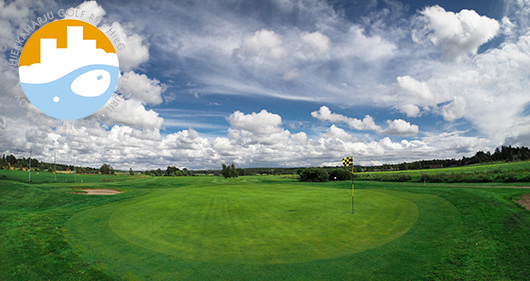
(254, 225)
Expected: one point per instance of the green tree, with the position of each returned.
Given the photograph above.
(314, 175)
(172, 171)
(106, 169)
(229, 171)
(340, 174)
(131, 172)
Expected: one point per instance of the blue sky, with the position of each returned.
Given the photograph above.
(293, 83)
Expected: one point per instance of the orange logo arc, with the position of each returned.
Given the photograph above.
(57, 30)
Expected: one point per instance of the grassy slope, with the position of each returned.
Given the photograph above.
(495, 172)
(484, 236)
(46, 177)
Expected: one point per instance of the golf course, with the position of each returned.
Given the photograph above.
(260, 228)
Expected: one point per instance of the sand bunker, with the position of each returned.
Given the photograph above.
(97, 191)
(525, 201)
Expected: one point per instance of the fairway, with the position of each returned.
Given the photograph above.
(262, 224)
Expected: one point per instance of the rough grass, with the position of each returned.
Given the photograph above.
(47, 177)
(460, 233)
(497, 172)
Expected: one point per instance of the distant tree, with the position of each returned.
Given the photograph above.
(172, 171)
(106, 169)
(233, 171)
(224, 170)
(131, 172)
(229, 171)
(11, 160)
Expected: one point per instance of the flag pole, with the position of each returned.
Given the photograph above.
(54, 167)
(75, 180)
(346, 162)
(352, 187)
(30, 166)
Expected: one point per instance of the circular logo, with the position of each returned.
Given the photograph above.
(68, 69)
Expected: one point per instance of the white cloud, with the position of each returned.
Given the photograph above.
(292, 74)
(141, 88)
(315, 43)
(400, 128)
(91, 12)
(259, 123)
(324, 114)
(457, 34)
(336, 133)
(132, 48)
(129, 112)
(12, 14)
(262, 127)
(264, 44)
(418, 91)
(410, 110)
(269, 146)
(508, 27)
(395, 128)
(367, 48)
(455, 109)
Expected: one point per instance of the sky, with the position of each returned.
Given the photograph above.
(286, 83)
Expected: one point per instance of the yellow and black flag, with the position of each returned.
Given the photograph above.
(347, 161)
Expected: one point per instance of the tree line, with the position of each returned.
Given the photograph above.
(500, 154)
(170, 171)
(11, 162)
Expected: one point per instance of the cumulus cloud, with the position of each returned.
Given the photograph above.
(263, 44)
(410, 110)
(400, 128)
(259, 123)
(262, 127)
(130, 112)
(367, 48)
(141, 88)
(457, 34)
(455, 109)
(132, 48)
(92, 12)
(315, 43)
(419, 91)
(395, 128)
(336, 133)
(325, 114)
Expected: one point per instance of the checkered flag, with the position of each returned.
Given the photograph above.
(347, 161)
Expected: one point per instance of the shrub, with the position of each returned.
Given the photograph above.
(314, 175)
(340, 174)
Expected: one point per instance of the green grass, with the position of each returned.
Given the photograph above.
(495, 172)
(307, 231)
(257, 225)
(47, 177)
